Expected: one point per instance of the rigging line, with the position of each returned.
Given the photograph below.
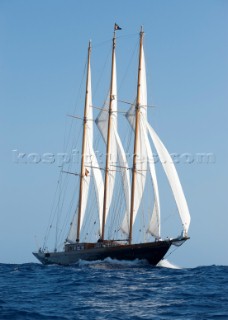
(96, 168)
(73, 173)
(113, 214)
(51, 216)
(133, 104)
(97, 152)
(174, 249)
(122, 200)
(68, 217)
(80, 118)
(114, 209)
(99, 44)
(106, 110)
(54, 213)
(128, 35)
(113, 165)
(63, 233)
(66, 140)
(120, 111)
(150, 204)
(128, 66)
(65, 187)
(90, 219)
(149, 73)
(127, 102)
(129, 138)
(74, 146)
(101, 74)
(58, 216)
(99, 108)
(97, 201)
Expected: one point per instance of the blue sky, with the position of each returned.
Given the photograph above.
(42, 58)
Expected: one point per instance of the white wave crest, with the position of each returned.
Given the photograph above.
(167, 264)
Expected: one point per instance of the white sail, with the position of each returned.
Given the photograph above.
(155, 226)
(102, 123)
(91, 166)
(72, 234)
(117, 149)
(125, 176)
(143, 86)
(99, 186)
(173, 179)
(141, 162)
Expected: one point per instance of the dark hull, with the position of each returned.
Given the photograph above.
(153, 252)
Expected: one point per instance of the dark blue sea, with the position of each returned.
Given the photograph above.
(112, 290)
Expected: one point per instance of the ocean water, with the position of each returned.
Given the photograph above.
(112, 290)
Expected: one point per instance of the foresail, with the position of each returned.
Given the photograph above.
(173, 179)
(92, 169)
(90, 166)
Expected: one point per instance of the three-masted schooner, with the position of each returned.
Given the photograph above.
(133, 184)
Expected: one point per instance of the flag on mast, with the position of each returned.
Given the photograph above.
(116, 27)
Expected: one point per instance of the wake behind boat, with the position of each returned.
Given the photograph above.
(122, 244)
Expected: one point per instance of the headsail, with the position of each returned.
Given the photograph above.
(173, 179)
(155, 225)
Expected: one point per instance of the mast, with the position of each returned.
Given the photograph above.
(82, 174)
(137, 118)
(111, 98)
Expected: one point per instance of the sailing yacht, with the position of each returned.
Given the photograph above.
(133, 181)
